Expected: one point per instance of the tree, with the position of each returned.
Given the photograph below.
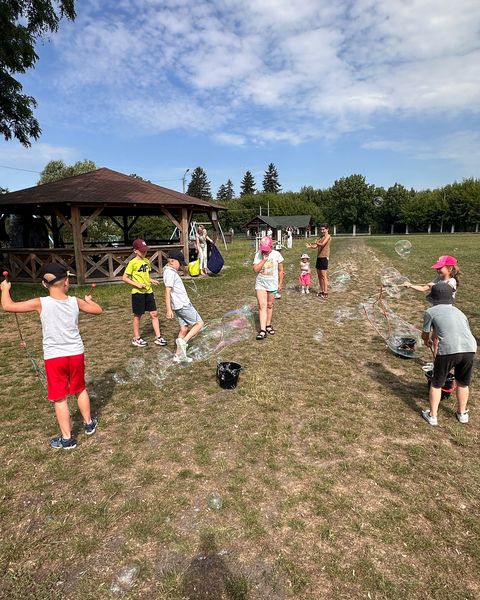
(22, 23)
(270, 180)
(57, 169)
(247, 187)
(350, 201)
(225, 191)
(199, 186)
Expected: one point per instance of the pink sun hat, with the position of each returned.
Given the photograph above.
(445, 261)
(266, 244)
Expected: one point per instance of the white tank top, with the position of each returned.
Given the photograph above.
(61, 336)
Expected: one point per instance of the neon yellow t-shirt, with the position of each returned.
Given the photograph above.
(139, 271)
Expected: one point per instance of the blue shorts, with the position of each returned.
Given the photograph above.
(187, 315)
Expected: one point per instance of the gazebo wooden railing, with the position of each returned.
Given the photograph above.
(99, 264)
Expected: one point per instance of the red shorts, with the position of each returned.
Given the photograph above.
(65, 375)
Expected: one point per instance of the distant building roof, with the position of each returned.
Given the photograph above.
(281, 222)
(103, 187)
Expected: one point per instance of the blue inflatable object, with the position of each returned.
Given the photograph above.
(215, 261)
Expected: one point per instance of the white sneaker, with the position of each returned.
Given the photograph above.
(428, 417)
(303, 291)
(307, 291)
(160, 341)
(277, 296)
(462, 417)
(182, 346)
(178, 358)
(139, 342)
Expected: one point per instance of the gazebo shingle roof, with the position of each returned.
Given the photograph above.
(103, 187)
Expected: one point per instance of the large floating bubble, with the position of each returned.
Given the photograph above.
(406, 345)
(378, 201)
(393, 282)
(403, 248)
(345, 313)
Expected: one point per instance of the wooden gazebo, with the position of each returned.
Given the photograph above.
(75, 202)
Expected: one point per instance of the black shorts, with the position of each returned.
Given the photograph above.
(322, 263)
(462, 364)
(143, 303)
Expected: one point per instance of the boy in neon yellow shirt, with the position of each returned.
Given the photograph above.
(137, 274)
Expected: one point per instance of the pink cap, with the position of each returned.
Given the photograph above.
(445, 261)
(266, 244)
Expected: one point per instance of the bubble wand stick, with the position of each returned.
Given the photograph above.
(40, 373)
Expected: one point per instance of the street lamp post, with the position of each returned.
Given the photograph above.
(183, 180)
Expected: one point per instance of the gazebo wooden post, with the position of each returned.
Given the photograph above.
(78, 243)
(184, 232)
(214, 220)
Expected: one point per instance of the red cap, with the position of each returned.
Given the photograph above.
(140, 245)
(445, 261)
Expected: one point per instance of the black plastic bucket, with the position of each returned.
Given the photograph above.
(227, 374)
(448, 387)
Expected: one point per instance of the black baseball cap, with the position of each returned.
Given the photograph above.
(441, 293)
(58, 271)
(177, 255)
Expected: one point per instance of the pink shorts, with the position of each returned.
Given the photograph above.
(65, 376)
(304, 279)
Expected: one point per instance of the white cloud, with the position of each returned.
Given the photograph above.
(461, 147)
(309, 69)
(36, 157)
(231, 139)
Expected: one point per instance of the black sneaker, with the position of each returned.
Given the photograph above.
(60, 442)
(90, 427)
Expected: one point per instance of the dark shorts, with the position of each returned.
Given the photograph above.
(462, 364)
(322, 263)
(143, 303)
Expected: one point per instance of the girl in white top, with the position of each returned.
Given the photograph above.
(202, 239)
(447, 272)
(268, 266)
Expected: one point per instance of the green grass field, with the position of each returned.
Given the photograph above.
(333, 487)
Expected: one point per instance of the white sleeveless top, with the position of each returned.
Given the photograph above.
(61, 336)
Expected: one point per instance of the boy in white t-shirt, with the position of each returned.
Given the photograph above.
(63, 349)
(178, 302)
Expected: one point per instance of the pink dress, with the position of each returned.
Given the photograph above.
(305, 277)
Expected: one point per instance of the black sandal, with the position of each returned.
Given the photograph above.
(261, 335)
(269, 329)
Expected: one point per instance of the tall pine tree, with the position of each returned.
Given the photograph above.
(270, 180)
(226, 191)
(199, 186)
(247, 187)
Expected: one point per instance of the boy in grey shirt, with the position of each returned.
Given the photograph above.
(178, 302)
(456, 350)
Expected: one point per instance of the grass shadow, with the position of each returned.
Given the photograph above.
(100, 392)
(409, 392)
(208, 577)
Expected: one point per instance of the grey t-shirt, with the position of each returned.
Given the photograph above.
(179, 296)
(451, 327)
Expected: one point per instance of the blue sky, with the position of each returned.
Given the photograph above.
(389, 89)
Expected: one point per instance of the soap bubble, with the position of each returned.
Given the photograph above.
(378, 201)
(339, 280)
(406, 345)
(135, 367)
(344, 313)
(403, 248)
(215, 501)
(124, 579)
(318, 335)
(118, 378)
(393, 282)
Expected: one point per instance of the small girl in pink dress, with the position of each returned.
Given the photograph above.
(305, 276)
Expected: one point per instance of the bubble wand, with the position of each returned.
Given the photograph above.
(40, 373)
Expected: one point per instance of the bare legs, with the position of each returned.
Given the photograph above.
(62, 413)
(155, 324)
(323, 281)
(436, 393)
(265, 307)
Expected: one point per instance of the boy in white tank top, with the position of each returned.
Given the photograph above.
(62, 346)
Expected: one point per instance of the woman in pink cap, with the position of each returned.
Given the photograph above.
(267, 264)
(447, 272)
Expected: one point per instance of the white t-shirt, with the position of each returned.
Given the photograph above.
(267, 278)
(179, 296)
(61, 336)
